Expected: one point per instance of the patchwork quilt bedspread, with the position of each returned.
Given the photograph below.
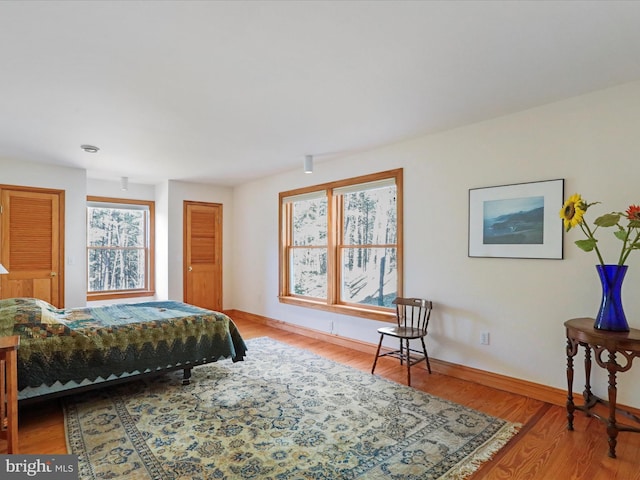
(73, 346)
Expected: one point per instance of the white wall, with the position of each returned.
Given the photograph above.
(178, 192)
(591, 141)
(162, 240)
(73, 182)
(112, 189)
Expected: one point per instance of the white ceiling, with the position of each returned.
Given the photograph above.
(225, 92)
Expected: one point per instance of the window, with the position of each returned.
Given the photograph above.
(340, 245)
(120, 256)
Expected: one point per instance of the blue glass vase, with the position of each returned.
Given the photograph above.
(611, 314)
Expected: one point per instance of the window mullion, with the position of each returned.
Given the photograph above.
(285, 261)
(146, 250)
(335, 227)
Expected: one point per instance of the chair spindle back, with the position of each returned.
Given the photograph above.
(413, 312)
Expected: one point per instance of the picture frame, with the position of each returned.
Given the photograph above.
(517, 221)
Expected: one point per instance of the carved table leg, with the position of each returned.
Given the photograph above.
(587, 375)
(570, 405)
(612, 428)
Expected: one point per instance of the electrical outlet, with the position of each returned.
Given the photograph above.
(484, 338)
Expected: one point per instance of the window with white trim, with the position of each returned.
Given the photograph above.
(341, 244)
(120, 253)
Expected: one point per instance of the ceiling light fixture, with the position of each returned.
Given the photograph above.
(308, 164)
(124, 184)
(89, 148)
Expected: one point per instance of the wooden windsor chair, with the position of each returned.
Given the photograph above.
(412, 321)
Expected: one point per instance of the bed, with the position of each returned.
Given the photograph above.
(65, 350)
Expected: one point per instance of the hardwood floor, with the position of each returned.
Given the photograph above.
(543, 449)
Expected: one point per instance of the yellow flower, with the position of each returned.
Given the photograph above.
(572, 211)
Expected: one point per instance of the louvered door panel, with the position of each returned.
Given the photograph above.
(30, 233)
(31, 245)
(203, 235)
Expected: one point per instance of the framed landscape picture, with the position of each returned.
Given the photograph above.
(516, 221)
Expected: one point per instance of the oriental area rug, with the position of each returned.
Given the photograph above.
(282, 414)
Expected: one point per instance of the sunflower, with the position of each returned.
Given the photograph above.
(572, 211)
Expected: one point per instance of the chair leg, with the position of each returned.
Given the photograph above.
(426, 357)
(375, 360)
(408, 364)
(401, 353)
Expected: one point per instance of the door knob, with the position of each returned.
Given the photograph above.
(190, 268)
